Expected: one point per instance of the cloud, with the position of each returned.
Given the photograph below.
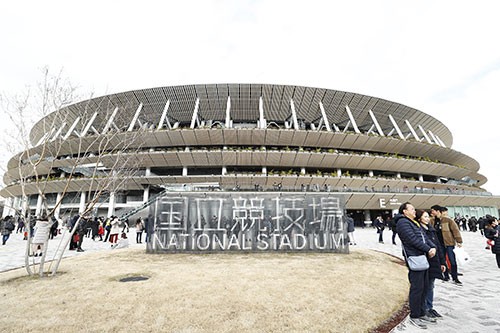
(439, 57)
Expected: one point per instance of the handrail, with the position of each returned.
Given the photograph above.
(146, 204)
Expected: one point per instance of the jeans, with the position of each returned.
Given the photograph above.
(419, 283)
(430, 295)
(448, 250)
(4, 238)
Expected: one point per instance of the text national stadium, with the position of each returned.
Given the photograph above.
(250, 167)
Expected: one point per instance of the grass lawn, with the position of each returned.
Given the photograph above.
(227, 292)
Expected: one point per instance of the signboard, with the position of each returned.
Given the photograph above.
(239, 221)
(394, 202)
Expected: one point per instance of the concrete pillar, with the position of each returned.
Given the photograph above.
(184, 171)
(302, 171)
(224, 170)
(146, 194)
(16, 205)
(370, 173)
(24, 206)
(83, 198)
(368, 219)
(39, 202)
(339, 172)
(398, 175)
(420, 178)
(148, 172)
(264, 170)
(58, 209)
(111, 205)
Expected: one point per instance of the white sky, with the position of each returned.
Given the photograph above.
(441, 57)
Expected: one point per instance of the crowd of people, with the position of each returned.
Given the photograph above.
(40, 229)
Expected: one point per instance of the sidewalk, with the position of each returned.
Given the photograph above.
(12, 254)
(473, 307)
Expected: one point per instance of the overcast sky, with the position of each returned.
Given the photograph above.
(441, 57)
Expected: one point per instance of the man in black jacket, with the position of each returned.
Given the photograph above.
(414, 243)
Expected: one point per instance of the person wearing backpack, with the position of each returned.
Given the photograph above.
(7, 228)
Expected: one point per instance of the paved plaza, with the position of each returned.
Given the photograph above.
(473, 307)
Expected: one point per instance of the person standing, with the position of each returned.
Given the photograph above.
(449, 236)
(492, 232)
(465, 220)
(94, 225)
(107, 228)
(350, 229)
(81, 230)
(53, 227)
(139, 228)
(73, 244)
(100, 230)
(392, 225)
(41, 236)
(6, 228)
(437, 264)
(481, 223)
(115, 230)
(414, 243)
(20, 224)
(149, 227)
(380, 225)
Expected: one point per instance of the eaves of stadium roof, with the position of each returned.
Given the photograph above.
(226, 104)
(251, 102)
(457, 164)
(191, 126)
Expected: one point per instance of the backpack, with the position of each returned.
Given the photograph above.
(10, 226)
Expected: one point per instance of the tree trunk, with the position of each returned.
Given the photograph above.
(59, 258)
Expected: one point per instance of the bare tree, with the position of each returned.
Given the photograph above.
(64, 153)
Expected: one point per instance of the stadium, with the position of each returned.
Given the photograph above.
(245, 141)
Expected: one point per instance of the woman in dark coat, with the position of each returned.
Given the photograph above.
(492, 231)
(437, 264)
(94, 226)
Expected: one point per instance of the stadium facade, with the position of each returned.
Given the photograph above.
(236, 138)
